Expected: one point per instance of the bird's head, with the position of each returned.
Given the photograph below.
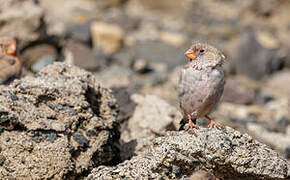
(205, 54)
(8, 46)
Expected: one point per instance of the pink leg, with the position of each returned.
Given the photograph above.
(191, 125)
(213, 123)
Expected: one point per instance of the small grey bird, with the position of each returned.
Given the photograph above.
(201, 83)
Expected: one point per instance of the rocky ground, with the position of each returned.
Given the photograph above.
(113, 115)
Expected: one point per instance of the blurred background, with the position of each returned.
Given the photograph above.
(137, 46)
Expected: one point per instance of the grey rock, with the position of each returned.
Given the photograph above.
(82, 55)
(42, 62)
(254, 60)
(61, 124)
(154, 52)
(236, 92)
(229, 154)
(20, 19)
(79, 31)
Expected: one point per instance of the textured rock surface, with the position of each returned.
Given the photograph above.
(228, 153)
(58, 124)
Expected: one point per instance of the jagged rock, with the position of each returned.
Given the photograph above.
(227, 153)
(58, 124)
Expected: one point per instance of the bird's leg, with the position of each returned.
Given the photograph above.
(191, 125)
(213, 123)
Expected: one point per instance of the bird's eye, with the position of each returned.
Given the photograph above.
(202, 50)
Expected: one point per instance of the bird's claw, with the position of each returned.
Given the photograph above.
(214, 124)
(190, 126)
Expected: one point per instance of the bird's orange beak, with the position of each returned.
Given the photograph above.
(190, 54)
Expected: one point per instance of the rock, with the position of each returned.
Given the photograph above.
(154, 52)
(82, 55)
(229, 154)
(58, 124)
(108, 76)
(173, 39)
(45, 53)
(255, 61)
(41, 63)
(279, 84)
(277, 140)
(107, 37)
(263, 98)
(62, 15)
(20, 19)
(79, 31)
(152, 116)
(126, 105)
(236, 92)
(287, 152)
(156, 114)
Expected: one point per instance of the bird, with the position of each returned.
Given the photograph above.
(10, 65)
(201, 84)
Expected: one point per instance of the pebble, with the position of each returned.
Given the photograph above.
(107, 37)
(42, 62)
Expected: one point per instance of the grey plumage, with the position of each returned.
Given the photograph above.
(201, 82)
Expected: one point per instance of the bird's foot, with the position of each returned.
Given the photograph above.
(214, 124)
(190, 126)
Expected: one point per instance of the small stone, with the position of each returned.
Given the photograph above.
(249, 119)
(262, 98)
(33, 54)
(2, 159)
(82, 55)
(106, 36)
(79, 31)
(14, 97)
(42, 62)
(81, 140)
(174, 39)
(287, 152)
(254, 60)
(176, 170)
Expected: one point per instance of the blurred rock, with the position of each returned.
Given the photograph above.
(33, 54)
(58, 124)
(173, 39)
(236, 92)
(62, 15)
(156, 114)
(152, 116)
(82, 55)
(115, 76)
(263, 98)
(79, 31)
(287, 152)
(279, 84)
(227, 153)
(254, 60)
(107, 37)
(278, 141)
(42, 62)
(20, 19)
(126, 105)
(158, 53)
(141, 66)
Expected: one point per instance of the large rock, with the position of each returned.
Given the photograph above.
(58, 124)
(253, 59)
(227, 153)
(152, 117)
(20, 19)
